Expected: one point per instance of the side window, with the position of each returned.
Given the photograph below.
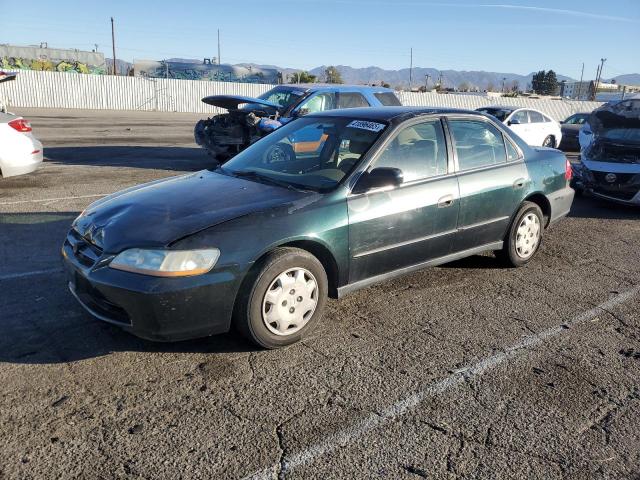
(319, 103)
(351, 100)
(536, 117)
(521, 116)
(388, 99)
(478, 144)
(512, 152)
(420, 151)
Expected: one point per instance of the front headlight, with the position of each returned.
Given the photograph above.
(166, 263)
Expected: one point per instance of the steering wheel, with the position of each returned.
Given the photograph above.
(278, 153)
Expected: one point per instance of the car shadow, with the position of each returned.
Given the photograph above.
(586, 206)
(486, 261)
(41, 322)
(157, 158)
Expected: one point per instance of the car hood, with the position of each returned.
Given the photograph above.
(231, 102)
(157, 214)
(617, 115)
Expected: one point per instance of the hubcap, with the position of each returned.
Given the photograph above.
(528, 235)
(290, 301)
(548, 142)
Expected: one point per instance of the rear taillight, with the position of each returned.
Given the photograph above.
(568, 171)
(20, 124)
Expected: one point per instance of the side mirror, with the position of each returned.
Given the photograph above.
(379, 178)
(561, 122)
(301, 112)
(514, 121)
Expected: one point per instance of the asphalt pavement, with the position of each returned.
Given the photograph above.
(469, 370)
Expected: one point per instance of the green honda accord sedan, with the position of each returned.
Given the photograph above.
(325, 205)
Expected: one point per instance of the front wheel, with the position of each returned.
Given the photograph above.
(524, 237)
(284, 298)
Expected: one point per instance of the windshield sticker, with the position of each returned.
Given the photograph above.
(371, 126)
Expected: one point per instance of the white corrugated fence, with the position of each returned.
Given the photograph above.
(104, 92)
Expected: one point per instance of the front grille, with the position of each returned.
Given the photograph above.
(86, 253)
(625, 187)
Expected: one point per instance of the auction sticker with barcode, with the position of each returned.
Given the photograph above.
(372, 126)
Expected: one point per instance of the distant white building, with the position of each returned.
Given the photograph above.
(604, 91)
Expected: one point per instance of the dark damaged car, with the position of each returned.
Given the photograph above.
(261, 242)
(609, 166)
(248, 119)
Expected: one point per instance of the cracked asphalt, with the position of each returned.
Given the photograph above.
(467, 371)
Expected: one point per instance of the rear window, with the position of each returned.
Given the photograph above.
(351, 100)
(388, 99)
(536, 117)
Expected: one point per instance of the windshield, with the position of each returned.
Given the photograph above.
(283, 96)
(309, 153)
(577, 119)
(500, 113)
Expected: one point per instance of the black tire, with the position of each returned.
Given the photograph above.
(248, 314)
(509, 254)
(549, 142)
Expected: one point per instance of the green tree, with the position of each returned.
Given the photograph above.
(302, 77)
(550, 83)
(545, 83)
(333, 75)
(538, 82)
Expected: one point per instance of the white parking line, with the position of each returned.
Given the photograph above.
(13, 276)
(356, 430)
(42, 200)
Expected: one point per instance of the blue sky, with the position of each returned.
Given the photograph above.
(516, 37)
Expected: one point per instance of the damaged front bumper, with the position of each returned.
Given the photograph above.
(618, 183)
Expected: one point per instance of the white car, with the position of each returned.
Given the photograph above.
(20, 151)
(533, 126)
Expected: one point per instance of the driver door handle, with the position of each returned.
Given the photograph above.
(445, 201)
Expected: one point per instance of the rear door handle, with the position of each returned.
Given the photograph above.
(519, 183)
(445, 201)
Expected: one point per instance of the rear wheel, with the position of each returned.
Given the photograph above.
(524, 237)
(550, 142)
(284, 298)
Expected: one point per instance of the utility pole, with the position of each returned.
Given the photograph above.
(598, 78)
(166, 69)
(504, 79)
(426, 82)
(410, 68)
(219, 47)
(440, 82)
(580, 84)
(113, 45)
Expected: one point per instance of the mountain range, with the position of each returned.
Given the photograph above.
(400, 78)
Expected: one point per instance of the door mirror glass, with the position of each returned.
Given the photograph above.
(301, 112)
(514, 121)
(379, 178)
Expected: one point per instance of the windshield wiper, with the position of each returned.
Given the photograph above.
(252, 174)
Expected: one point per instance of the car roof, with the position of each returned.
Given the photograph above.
(390, 114)
(314, 87)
